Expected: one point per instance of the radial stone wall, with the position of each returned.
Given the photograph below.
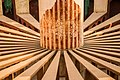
(60, 25)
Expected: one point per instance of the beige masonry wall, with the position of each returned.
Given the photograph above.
(100, 5)
(22, 6)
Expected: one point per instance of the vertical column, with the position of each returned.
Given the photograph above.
(79, 28)
(54, 32)
(41, 32)
(59, 24)
(46, 31)
(73, 25)
(68, 20)
(1, 11)
(64, 27)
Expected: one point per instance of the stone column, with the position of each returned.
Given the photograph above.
(61, 23)
(1, 11)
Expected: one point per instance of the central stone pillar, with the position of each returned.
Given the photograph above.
(61, 23)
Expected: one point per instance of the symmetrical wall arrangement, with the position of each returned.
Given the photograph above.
(61, 24)
(22, 58)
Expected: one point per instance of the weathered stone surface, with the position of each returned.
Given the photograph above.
(22, 6)
(100, 5)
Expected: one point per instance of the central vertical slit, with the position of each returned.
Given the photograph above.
(49, 28)
(76, 22)
(46, 30)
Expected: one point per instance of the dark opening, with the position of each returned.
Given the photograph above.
(6, 12)
(20, 21)
(88, 8)
(114, 7)
(34, 9)
(24, 24)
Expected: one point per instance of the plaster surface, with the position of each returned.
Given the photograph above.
(100, 5)
(22, 6)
